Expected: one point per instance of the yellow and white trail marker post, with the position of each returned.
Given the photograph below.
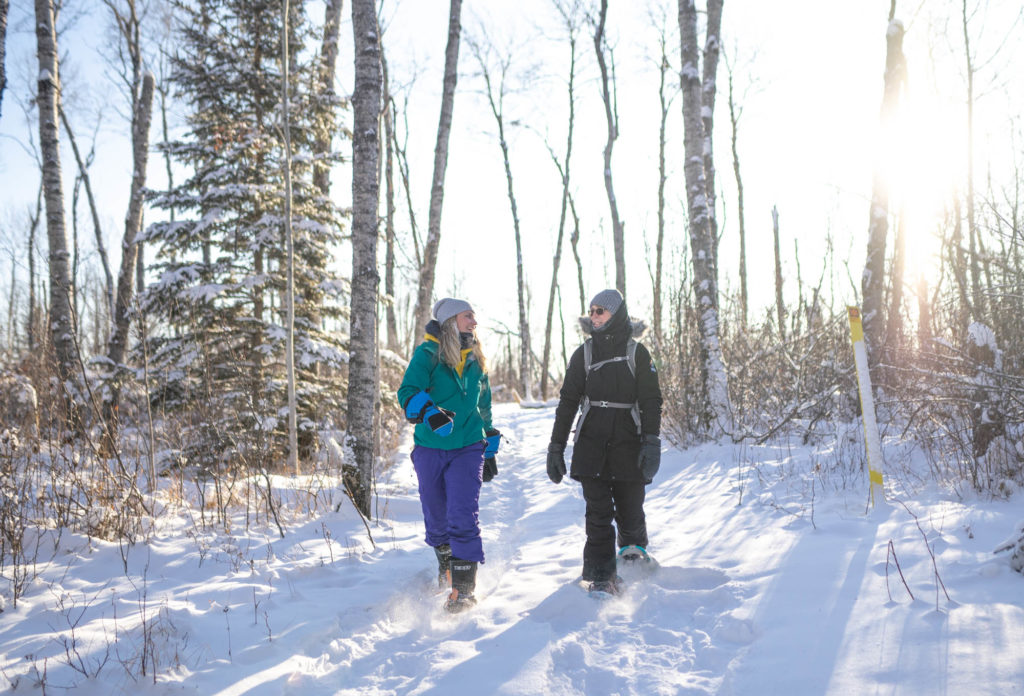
(872, 441)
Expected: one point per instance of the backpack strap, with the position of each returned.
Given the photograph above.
(589, 366)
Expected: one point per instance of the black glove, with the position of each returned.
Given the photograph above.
(650, 457)
(490, 469)
(440, 420)
(556, 461)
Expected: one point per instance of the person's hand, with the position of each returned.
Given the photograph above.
(493, 442)
(650, 457)
(490, 469)
(420, 409)
(556, 462)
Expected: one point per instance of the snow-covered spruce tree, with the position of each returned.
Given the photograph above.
(218, 356)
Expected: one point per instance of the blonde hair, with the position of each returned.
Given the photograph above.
(450, 345)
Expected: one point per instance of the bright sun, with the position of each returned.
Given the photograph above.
(923, 165)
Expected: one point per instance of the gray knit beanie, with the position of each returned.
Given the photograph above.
(448, 307)
(610, 299)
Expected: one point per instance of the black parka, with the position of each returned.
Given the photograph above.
(608, 444)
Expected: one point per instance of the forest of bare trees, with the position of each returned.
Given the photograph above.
(276, 306)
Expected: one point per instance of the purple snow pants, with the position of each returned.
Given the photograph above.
(449, 483)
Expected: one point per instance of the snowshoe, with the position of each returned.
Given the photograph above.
(636, 561)
(605, 589)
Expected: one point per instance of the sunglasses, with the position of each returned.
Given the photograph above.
(599, 311)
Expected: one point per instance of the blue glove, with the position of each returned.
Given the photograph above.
(493, 442)
(420, 409)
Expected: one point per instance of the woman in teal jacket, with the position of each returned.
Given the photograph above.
(446, 393)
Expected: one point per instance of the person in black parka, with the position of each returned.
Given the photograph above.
(617, 450)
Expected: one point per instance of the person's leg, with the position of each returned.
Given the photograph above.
(629, 513)
(430, 465)
(462, 481)
(599, 551)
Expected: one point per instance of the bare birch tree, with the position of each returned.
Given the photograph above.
(611, 114)
(496, 94)
(569, 12)
(872, 280)
(735, 111)
(4, 7)
(132, 226)
(388, 120)
(61, 289)
(665, 98)
(977, 297)
(363, 389)
(289, 238)
(444, 127)
(716, 416)
(328, 69)
(83, 174)
(780, 305)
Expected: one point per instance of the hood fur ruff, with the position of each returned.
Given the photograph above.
(638, 326)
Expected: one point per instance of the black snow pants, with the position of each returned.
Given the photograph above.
(608, 500)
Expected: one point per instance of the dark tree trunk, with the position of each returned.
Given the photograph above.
(563, 169)
(612, 118)
(444, 127)
(873, 280)
(391, 320)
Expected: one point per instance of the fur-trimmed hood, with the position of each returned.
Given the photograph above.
(638, 327)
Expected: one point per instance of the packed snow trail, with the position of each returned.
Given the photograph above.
(534, 630)
(773, 581)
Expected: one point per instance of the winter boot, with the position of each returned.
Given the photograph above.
(444, 559)
(463, 583)
(612, 586)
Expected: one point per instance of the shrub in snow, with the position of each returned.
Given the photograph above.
(1015, 545)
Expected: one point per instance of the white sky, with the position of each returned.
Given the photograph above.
(806, 138)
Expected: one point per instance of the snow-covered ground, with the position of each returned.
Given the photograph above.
(773, 581)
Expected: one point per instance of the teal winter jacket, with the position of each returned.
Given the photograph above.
(465, 390)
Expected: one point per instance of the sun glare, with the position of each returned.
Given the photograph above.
(922, 166)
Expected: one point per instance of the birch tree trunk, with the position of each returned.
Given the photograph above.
(716, 416)
(444, 127)
(289, 236)
(83, 172)
(391, 320)
(734, 122)
(612, 117)
(118, 344)
(61, 289)
(894, 320)
(709, 88)
(872, 280)
(571, 25)
(325, 87)
(780, 306)
(665, 101)
(363, 390)
(496, 100)
(977, 296)
(30, 332)
(4, 7)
